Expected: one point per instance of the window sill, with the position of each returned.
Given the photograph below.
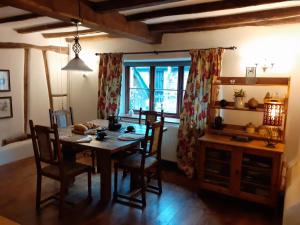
(135, 118)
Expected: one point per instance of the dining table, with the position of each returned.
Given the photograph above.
(104, 149)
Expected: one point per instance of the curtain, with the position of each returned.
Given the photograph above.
(109, 84)
(205, 66)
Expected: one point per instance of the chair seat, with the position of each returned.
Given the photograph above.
(134, 161)
(70, 169)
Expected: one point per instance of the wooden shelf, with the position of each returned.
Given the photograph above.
(215, 175)
(260, 81)
(235, 130)
(243, 109)
(230, 106)
(267, 187)
(257, 169)
(217, 160)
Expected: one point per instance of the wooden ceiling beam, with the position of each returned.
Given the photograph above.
(93, 37)
(285, 21)
(227, 21)
(113, 22)
(19, 18)
(49, 26)
(69, 34)
(57, 49)
(126, 4)
(198, 8)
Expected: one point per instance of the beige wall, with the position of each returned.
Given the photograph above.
(277, 44)
(13, 60)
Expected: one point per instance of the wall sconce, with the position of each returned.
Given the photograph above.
(265, 65)
(273, 118)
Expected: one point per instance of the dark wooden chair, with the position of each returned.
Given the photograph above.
(151, 116)
(64, 118)
(141, 165)
(49, 163)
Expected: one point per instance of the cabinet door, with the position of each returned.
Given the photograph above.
(259, 178)
(215, 168)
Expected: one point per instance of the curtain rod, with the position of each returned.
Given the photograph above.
(170, 51)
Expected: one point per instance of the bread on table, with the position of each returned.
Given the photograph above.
(83, 128)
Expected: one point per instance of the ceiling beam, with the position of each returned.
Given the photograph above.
(66, 10)
(57, 49)
(285, 21)
(97, 37)
(69, 34)
(49, 26)
(198, 8)
(19, 18)
(127, 4)
(226, 21)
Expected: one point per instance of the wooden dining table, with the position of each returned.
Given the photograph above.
(104, 149)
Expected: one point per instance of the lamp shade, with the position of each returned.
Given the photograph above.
(273, 110)
(76, 64)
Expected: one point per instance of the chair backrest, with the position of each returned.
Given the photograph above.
(153, 136)
(63, 118)
(150, 116)
(45, 141)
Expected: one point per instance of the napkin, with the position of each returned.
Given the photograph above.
(130, 137)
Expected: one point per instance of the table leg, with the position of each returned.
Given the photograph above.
(104, 165)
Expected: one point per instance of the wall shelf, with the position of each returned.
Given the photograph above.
(243, 109)
(260, 81)
(235, 130)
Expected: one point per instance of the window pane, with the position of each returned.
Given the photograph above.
(166, 100)
(139, 77)
(139, 98)
(166, 77)
(185, 76)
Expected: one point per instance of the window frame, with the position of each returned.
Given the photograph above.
(153, 65)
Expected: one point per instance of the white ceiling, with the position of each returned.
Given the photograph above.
(165, 6)
(10, 11)
(207, 14)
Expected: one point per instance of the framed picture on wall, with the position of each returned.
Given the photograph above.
(250, 75)
(6, 107)
(4, 80)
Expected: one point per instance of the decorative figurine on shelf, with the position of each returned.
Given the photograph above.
(250, 128)
(273, 136)
(239, 98)
(262, 130)
(252, 103)
(218, 123)
(268, 95)
(223, 103)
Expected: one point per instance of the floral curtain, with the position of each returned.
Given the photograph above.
(205, 66)
(109, 84)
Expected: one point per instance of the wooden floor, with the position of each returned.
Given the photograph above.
(178, 205)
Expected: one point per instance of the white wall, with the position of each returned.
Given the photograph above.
(278, 44)
(13, 60)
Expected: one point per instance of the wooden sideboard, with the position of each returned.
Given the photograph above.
(246, 170)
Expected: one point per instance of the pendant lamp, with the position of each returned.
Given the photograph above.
(76, 64)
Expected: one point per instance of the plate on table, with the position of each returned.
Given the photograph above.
(77, 138)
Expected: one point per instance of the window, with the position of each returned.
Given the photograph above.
(156, 86)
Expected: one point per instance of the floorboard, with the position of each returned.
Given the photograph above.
(179, 204)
